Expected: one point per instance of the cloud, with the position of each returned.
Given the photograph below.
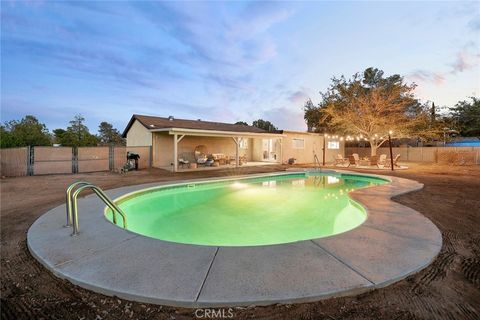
(427, 76)
(298, 97)
(287, 118)
(222, 44)
(465, 60)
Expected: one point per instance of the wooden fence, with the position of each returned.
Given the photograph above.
(453, 155)
(16, 162)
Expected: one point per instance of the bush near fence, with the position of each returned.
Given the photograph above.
(17, 162)
(446, 155)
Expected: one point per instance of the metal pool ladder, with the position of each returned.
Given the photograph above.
(317, 162)
(72, 207)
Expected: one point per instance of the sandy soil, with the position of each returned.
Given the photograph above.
(447, 289)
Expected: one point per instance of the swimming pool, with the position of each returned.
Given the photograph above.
(274, 209)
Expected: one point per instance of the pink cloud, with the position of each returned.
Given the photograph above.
(427, 76)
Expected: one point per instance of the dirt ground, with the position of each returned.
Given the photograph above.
(447, 289)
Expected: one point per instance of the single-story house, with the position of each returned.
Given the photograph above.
(176, 141)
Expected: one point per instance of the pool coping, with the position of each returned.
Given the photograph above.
(395, 241)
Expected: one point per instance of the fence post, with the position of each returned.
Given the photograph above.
(74, 160)
(29, 161)
(110, 157)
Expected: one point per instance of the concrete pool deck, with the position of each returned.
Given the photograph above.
(392, 243)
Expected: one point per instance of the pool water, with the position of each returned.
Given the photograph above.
(247, 212)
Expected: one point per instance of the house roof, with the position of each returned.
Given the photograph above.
(153, 123)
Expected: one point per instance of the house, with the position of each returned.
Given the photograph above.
(175, 141)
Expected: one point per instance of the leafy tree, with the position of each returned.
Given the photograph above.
(109, 135)
(369, 105)
(76, 135)
(243, 123)
(7, 139)
(316, 118)
(62, 137)
(26, 132)
(467, 117)
(265, 125)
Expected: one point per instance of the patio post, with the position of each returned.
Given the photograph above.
(237, 159)
(175, 155)
(390, 145)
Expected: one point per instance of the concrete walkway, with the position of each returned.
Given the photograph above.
(392, 243)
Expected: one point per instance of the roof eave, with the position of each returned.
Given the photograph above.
(205, 132)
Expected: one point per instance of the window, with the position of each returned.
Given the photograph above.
(243, 144)
(333, 145)
(298, 143)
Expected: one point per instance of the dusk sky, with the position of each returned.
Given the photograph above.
(223, 61)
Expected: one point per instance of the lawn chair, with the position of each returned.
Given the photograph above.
(339, 160)
(382, 161)
(352, 160)
(395, 161)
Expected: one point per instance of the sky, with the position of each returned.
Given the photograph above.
(224, 61)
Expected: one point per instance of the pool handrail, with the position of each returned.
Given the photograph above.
(316, 162)
(68, 200)
(73, 207)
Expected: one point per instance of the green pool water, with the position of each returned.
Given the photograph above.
(247, 212)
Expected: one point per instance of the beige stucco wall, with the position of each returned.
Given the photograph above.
(162, 150)
(138, 135)
(313, 144)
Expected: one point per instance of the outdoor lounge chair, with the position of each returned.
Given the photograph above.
(395, 160)
(353, 161)
(374, 160)
(340, 160)
(382, 161)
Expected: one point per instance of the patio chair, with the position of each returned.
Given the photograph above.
(382, 161)
(201, 154)
(395, 161)
(353, 161)
(339, 160)
(182, 162)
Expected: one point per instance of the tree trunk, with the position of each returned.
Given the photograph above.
(373, 150)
